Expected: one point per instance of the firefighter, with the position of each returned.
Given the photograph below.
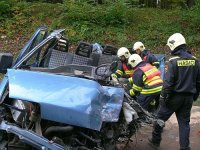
(123, 70)
(146, 82)
(181, 87)
(145, 54)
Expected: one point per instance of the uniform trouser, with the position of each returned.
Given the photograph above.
(145, 100)
(181, 104)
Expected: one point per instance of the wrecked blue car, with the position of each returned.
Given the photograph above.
(53, 99)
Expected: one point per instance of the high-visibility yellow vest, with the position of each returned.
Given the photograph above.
(151, 79)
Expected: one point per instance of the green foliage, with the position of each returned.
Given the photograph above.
(190, 22)
(91, 22)
(195, 14)
(112, 22)
(176, 3)
(101, 14)
(132, 3)
(28, 17)
(197, 103)
(5, 9)
(47, 1)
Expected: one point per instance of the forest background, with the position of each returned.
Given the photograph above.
(115, 22)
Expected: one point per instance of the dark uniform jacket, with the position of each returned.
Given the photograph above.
(183, 74)
(148, 57)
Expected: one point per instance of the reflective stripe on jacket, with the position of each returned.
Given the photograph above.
(150, 71)
(146, 79)
(151, 79)
(124, 71)
(127, 71)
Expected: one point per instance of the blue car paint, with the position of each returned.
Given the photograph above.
(161, 59)
(112, 107)
(66, 99)
(24, 51)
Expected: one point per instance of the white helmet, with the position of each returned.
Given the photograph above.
(175, 40)
(138, 45)
(134, 60)
(123, 51)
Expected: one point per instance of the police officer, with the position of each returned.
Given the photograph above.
(181, 87)
(146, 82)
(145, 54)
(123, 69)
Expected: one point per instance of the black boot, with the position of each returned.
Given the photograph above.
(153, 144)
(156, 134)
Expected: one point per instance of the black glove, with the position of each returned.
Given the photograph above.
(164, 99)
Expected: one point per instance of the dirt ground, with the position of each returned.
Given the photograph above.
(170, 134)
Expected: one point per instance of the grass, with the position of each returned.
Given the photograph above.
(108, 24)
(197, 103)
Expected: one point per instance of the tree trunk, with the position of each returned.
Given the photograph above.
(148, 3)
(153, 3)
(164, 4)
(190, 3)
(100, 1)
(141, 2)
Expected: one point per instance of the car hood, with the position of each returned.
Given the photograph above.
(67, 99)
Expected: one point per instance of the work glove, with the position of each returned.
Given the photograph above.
(114, 81)
(153, 102)
(164, 99)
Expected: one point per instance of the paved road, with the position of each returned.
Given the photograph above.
(170, 134)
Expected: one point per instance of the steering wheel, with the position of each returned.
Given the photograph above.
(103, 71)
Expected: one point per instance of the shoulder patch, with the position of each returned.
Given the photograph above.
(186, 63)
(176, 57)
